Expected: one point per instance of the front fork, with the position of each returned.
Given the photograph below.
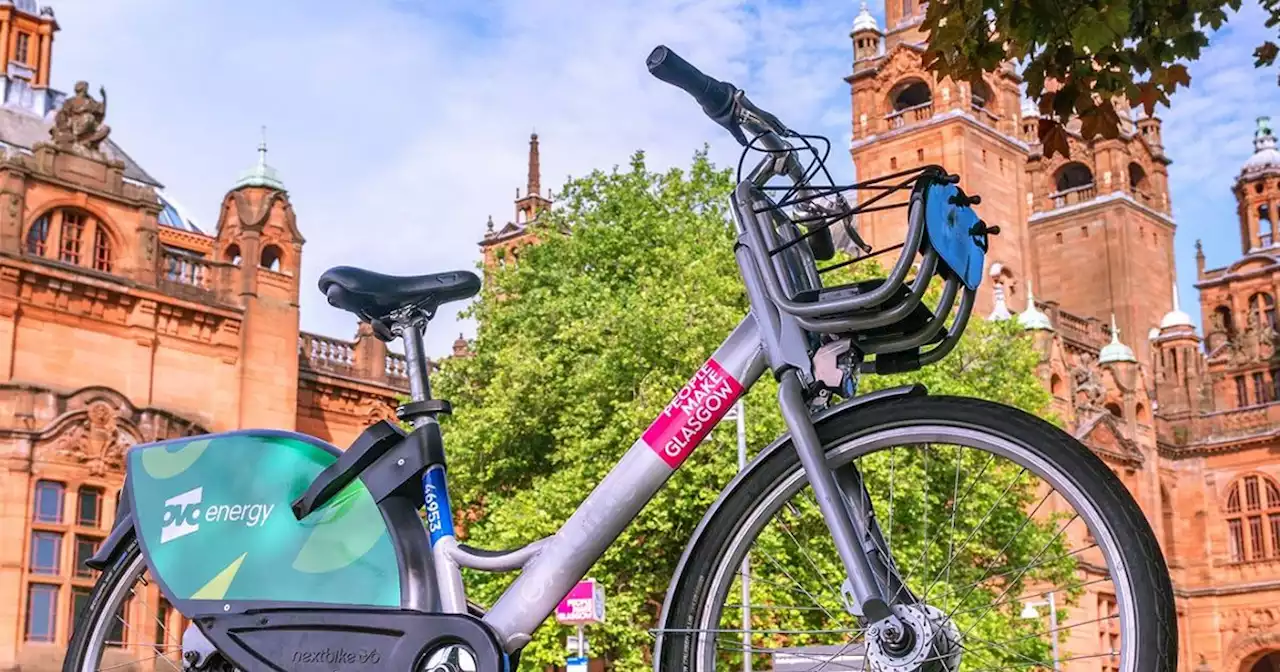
(872, 582)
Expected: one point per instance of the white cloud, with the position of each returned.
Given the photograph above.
(399, 126)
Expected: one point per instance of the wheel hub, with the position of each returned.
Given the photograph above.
(922, 639)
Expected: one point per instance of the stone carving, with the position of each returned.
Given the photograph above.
(1257, 343)
(78, 125)
(1253, 620)
(251, 219)
(96, 441)
(1089, 390)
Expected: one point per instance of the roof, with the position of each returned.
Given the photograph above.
(1115, 351)
(174, 216)
(22, 129)
(864, 20)
(1265, 155)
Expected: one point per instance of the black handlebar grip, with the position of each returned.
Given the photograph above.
(822, 245)
(715, 96)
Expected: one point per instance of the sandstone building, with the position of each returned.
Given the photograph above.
(123, 321)
(1188, 416)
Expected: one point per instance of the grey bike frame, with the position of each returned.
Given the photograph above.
(767, 338)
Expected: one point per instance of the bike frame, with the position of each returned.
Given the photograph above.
(767, 338)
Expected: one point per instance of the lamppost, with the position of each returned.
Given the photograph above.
(1029, 612)
(738, 413)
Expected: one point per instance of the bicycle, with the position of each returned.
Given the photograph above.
(286, 553)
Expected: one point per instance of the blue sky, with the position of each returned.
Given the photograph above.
(399, 126)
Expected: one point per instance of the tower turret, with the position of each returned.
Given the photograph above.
(1256, 198)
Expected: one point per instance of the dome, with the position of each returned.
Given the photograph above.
(864, 20)
(1265, 155)
(1153, 334)
(1001, 309)
(261, 175)
(1032, 319)
(1115, 351)
(1175, 317)
(175, 216)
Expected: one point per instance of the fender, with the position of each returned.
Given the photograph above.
(120, 531)
(783, 442)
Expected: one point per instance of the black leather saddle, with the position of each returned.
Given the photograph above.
(374, 296)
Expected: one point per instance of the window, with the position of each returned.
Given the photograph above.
(1074, 175)
(1109, 632)
(85, 548)
(48, 505)
(1253, 519)
(79, 602)
(233, 254)
(914, 93)
(38, 236)
(1262, 309)
(920, 155)
(1264, 225)
(1275, 384)
(22, 48)
(270, 258)
(1260, 388)
(101, 250)
(1058, 237)
(72, 230)
(906, 8)
(46, 549)
(89, 512)
(1222, 318)
(42, 610)
(162, 638)
(1242, 392)
(1137, 178)
(980, 95)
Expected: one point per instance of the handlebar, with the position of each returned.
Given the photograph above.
(726, 105)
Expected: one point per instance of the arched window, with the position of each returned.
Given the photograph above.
(72, 236)
(910, 94)
(270, 258)
(1143, 417)
(1253, 519)
(232, 254)
(1262, 309)
(1265, 228)
(980, 95)
(1114, 409)
(1056, 388)
(38, 236)
(1167, 523)
(1073, 175)
(1222, 316)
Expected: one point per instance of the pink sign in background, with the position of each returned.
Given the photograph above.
(583, 604)
(696, 409)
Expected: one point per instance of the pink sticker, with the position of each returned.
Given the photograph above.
(689, 417)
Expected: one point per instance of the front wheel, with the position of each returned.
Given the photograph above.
(1018, 547)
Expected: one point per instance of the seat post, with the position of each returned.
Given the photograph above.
(416, 361)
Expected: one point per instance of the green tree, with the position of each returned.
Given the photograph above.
(1095, 50)
(582, 343)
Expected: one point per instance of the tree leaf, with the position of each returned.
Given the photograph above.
(1053, 138)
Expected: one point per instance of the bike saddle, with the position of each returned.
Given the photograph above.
(375, 296)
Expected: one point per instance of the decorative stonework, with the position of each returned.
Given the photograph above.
(96, 441)
(1257, 343)
(78, 127)
(1088, 390)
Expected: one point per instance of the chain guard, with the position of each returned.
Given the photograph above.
(274, 640)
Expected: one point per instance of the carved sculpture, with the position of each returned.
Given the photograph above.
(96, 441)
(78, 125)
(1089, 391)
(1260, 341)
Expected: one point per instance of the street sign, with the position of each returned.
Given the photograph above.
(571, 643)
(583, 604)
(576, 664)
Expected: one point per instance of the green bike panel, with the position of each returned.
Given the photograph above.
(213, 515)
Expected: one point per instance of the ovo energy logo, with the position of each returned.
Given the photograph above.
(181, 515)
(184, 513)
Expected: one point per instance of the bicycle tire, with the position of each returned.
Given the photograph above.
(1149, 583)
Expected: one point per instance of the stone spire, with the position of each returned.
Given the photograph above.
(1001, 309)
(534, 187)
